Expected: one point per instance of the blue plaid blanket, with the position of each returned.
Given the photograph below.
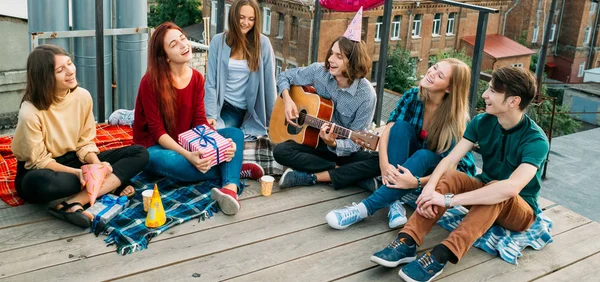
(498, 240)
(128, 230)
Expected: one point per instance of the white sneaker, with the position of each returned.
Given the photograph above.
(344, 217)
(397, 215)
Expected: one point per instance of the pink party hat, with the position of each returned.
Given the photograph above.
(355, 27)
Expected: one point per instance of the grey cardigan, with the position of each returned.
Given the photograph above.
(260, 89)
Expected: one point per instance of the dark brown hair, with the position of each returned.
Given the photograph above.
(249, 45)
(515, 81)
(41, 81)
(359, 62)
(159, 74)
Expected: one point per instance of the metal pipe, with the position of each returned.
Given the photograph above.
(221, 16)
(477, 59)
(84, 53)
(314, 51)
(132, 51)
(48, 15)
(539, 71)
(468, 6)
(382, 64)
(562, 10)
(100, 58)
(506, 14)
(593, 41)
(550, 136)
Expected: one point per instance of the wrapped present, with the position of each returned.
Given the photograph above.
(205, 139)
(105, 209)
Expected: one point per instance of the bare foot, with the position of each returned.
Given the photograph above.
(129, 190)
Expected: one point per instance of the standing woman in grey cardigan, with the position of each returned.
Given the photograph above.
(240, 81)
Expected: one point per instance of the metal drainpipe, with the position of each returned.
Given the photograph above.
(312, 20)
(562, 10)
(591, 55)
(505, 14)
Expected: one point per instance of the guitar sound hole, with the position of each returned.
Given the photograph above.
(291, 129)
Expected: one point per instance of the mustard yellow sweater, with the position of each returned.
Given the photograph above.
(66, 126)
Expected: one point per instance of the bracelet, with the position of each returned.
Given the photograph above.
(419, 183)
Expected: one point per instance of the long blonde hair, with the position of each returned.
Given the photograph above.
(449, 121)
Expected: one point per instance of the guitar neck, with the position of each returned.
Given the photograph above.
(318, 123)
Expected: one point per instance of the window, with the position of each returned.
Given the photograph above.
(413, 62)
(374, 72)
(552, 32)
(294, 35)
(281, 25)
(278, 69)
(291, 66)
(581, 69)
(432, 60)
(586, 36)
(266, 21)
(226, 23)
(396, 27)
(378, 29)
(535, 35)
(437, 24)
(450, 27)
(518, 65)
(213, 13)
(593, 7)
(416, 28)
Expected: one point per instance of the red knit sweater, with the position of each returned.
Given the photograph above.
(148, 124)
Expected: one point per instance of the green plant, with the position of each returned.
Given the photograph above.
(182, 12)
(563, 123)
(399, 75)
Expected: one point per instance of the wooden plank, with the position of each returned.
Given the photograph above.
(24, 214)
(289, 211)
(544, 203)
(587, 269)
(563, 220)
(334, 263)
(267, 253)
(567, 248)
(4, 205)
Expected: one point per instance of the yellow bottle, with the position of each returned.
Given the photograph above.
(156, 213)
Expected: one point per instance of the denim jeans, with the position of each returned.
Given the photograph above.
(232, 116)
(171, 164)
(403, 149)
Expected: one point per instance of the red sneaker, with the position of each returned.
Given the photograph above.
(227, 200)
(251, 170)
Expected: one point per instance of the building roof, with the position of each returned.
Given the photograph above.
(195, 32)
(14, 8)
(499, 46)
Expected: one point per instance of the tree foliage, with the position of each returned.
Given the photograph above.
(399, 75)
(182, 12)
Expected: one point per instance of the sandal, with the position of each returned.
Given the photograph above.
(77, 217)
(117, 192)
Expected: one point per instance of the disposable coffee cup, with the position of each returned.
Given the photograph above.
(147, 196)
(266, 185)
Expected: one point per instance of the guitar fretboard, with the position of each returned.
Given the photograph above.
(318, 123)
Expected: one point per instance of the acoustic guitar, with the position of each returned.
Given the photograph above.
(313, 112)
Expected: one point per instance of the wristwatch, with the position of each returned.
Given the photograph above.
(447, 199)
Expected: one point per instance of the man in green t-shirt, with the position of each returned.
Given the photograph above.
(513, 148)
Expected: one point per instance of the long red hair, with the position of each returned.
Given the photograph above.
(159, 74)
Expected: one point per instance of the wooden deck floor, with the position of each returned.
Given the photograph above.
(283, 237)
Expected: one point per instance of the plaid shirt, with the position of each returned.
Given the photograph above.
(410, 109)
(354, 106)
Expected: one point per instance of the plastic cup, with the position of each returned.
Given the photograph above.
(147, 197)
(266, 185)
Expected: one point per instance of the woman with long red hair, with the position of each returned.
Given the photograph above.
(171, 101)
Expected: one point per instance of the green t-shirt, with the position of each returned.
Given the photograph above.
(503, 151)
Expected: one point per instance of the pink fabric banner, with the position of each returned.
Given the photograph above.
(350, 5)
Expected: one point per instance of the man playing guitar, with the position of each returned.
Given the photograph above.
(341, 79)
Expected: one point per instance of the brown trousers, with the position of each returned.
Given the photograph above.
(513, 214)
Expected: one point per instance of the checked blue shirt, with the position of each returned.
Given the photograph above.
(410, 109)
(354, 106)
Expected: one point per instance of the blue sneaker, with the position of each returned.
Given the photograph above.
(426, 268)
(344, 217)
(397, 215)
(293, 178)
(396, 253)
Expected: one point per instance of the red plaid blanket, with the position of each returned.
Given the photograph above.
(107, 137)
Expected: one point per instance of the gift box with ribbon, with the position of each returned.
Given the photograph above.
(105, 209)
(205, 139)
